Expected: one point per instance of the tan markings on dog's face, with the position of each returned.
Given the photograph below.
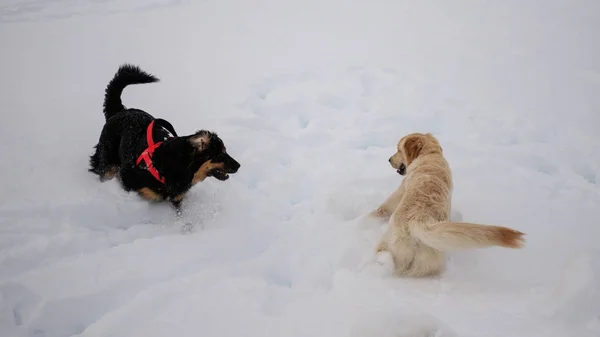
(149, 194)
(179, 197)
(203, 171)
(200, 141)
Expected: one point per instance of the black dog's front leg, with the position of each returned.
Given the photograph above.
(187, 226)
(177, 204)
(176, 201)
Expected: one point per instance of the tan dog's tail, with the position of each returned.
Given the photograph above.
(463, 235)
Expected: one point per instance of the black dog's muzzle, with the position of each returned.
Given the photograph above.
(230, 166)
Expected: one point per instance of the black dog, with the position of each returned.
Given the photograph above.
(146, 153)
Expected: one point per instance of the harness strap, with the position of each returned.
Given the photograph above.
(147, 154)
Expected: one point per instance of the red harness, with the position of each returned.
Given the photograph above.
(147, 154)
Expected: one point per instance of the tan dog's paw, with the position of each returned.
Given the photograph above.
(367, 221)
(384, 263)
(379, 213)
(382, 247)
(383, 258)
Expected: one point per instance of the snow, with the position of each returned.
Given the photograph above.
(311, 98)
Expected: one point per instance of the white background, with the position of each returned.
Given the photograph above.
(311, 98)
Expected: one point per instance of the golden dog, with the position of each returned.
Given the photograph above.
(420, 229)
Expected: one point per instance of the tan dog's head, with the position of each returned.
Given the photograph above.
(412, 146)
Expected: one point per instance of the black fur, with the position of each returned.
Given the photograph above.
(123, 139)
(126, 75)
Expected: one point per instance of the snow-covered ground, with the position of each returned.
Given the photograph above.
(311, 98)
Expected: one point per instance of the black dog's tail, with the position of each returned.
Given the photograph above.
(126, 75)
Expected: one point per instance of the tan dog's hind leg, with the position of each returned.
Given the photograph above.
(403, 252)
(400, 245)
(382, 247)
(427, 262)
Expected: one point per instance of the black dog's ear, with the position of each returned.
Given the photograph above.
(200, 140)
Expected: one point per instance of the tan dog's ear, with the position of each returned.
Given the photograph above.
(412, 148)
(200, 140)
(434, 140)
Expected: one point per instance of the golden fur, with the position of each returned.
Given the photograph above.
(420, 229)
